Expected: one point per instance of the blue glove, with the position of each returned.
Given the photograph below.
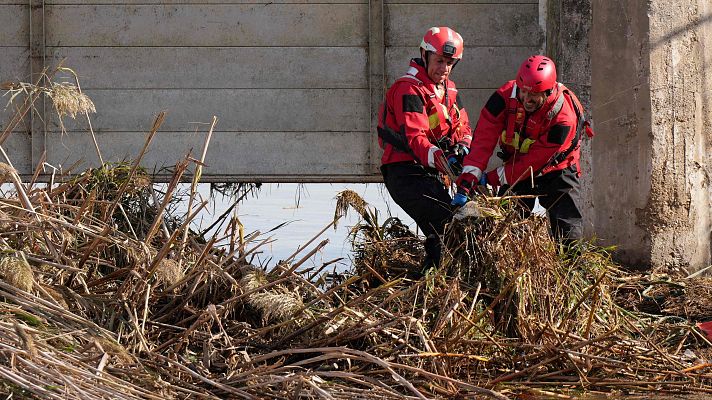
(457, 153)
(459, 200)
(483, 180)
(455, 164)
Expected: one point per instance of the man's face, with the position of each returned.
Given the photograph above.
(439, 67)
(531, 100)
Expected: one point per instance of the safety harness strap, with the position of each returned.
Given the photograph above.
(398, 139)
(580, 124)
(509, 136)
(388, 135)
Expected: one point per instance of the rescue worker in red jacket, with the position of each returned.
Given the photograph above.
(538, 124)
(422, 124)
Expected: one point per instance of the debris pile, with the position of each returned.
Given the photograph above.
(106, 293)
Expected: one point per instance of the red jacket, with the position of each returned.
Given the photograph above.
(531, 141)
(416, 116)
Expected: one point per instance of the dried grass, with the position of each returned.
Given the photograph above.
(169, 272)
(382, 250)
(537, 287)
(492, 321)
(16, 271)
(130, 304)
(6, 173)
(275, 304)
(68, 100)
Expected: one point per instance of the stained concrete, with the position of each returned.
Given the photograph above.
(640, 66)
(651, 103)
(568, 27)
(285, 69)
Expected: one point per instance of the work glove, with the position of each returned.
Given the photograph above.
(456, 154)
(460, 198)
(461, 150)
(483, 180)
(455, 164)
(491, 178)
(465, 182)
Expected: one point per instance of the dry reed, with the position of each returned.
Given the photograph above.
(108, 314)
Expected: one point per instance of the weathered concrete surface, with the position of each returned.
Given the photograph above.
(14, 25)
(271, 71)
(568, 27)
(678, 210)
(652, 109)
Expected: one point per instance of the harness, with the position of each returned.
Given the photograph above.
(515, 117)
(582, 124)
(438, 116)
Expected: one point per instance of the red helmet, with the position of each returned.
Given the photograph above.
(443, 41)
(537, 74)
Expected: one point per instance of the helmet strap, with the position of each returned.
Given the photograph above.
(425, 55)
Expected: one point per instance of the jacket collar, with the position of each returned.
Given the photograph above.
(417, 69)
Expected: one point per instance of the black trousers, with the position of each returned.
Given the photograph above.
(560, 194)
(419, 192)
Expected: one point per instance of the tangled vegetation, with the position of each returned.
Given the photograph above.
(106, 293)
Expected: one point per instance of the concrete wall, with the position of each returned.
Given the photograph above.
(14, 63)
(295, 83)
(651, 101)
(567, 42)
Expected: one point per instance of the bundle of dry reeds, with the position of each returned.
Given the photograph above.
(511, 310)
(107, 293)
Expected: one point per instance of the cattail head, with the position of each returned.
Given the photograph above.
(17, 272)
(169, 272)
(68, 100)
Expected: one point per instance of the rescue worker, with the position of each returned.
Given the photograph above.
(422, 125)
(538, 124)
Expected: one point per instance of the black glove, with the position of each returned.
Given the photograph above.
(455, 156)
(461, 150)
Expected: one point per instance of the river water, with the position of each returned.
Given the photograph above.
(305, 209)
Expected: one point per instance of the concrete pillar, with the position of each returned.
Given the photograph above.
(652, 108)
(568, 26)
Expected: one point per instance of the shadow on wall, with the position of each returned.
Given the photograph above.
(681, 30)
(697, 24)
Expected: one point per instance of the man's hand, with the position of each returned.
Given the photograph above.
(465, 182)
(456, 155)
(455, 164)
(461, 150)
(460, 199)
(439, 162)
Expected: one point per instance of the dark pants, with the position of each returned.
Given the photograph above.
(560, 194)
(421, 195)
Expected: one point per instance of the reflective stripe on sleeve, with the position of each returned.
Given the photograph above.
(431, 156)
(502, 176)
(469, 169)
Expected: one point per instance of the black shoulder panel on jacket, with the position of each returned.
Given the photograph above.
(413, 103)
(459, 102)
(558, 133)
(495, 105)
